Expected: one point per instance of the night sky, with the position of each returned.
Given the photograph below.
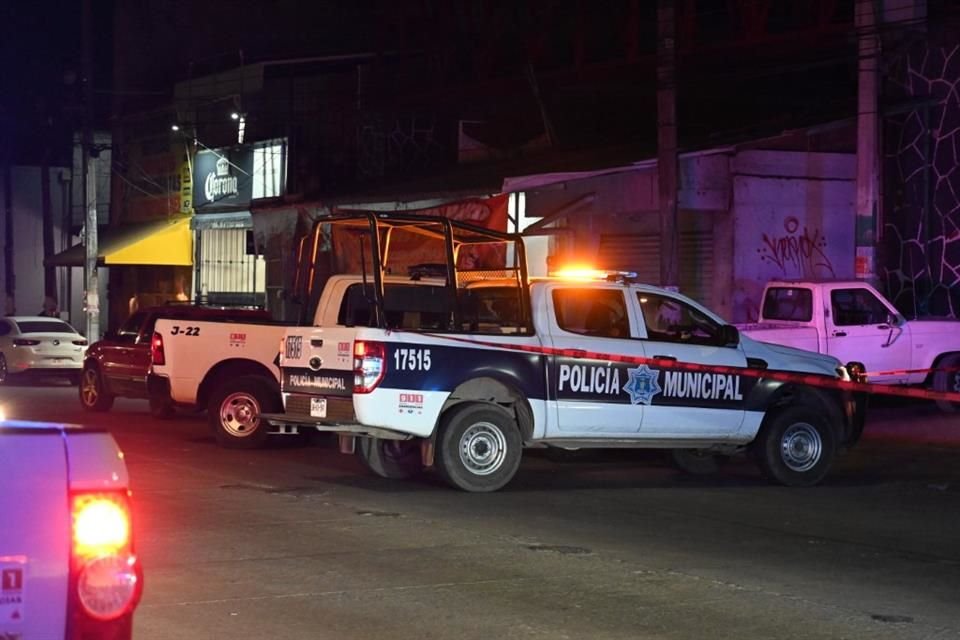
(40, 96)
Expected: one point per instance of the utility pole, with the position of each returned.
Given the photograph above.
(868, 134)
(10, 279)
(46, 207)
(90, 275)
(667, 143)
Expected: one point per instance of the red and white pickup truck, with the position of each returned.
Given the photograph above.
(852, 321)
(228, 368)
(67, 563)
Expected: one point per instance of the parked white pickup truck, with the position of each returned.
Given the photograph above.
(67, 563)
(228, 368)
(853, 322)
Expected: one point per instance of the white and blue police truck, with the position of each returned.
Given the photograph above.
(461, 368)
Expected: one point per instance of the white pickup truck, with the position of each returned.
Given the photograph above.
(853, 322)
(67, 563)
(467, 371)
(228, 368)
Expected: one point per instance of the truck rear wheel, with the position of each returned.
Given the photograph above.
(93, 392)
(393, 459)
(947, 378)
(234, 412)
(796, 446)
(479, 447)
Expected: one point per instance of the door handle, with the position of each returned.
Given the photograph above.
(671, 358)
(839, 334)
(883, 327)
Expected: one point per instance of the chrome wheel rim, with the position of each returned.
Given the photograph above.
(88, 388)
(240, 414)
(483, 448)
(801, 447)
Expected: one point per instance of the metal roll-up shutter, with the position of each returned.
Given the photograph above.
(640, 253)
(637, 252)
(696, 266)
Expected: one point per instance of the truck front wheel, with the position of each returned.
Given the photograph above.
(796, 446)
(234, 412)
(393, 459)
(479, 447)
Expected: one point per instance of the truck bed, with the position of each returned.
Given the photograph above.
(791, 335)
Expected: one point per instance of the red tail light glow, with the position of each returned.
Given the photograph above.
(105, 576)
(23, 342)
(101, 525)
(157, 356)
(369, 365)
(80, 343)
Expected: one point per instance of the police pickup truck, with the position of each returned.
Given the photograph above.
(67, 566)
(464, 372)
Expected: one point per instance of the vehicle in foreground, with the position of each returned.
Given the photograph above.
(118, 365)
(67, 563)
(853, 321)
(39, 345)
(465, 371)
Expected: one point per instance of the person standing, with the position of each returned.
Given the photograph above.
(50, 308)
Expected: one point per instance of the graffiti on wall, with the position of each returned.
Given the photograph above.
(921, 245)
(797, 251)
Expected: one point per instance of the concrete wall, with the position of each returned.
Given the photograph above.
(772, 214)
(793, 219)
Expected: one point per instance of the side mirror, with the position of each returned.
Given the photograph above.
(729, 335)
(893, 320)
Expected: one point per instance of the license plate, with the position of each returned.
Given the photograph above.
(13, 577)
(318, 407)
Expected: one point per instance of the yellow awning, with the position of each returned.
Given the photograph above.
(163, 242)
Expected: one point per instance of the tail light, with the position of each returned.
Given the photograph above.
(80, 343)
(23, 342)
(157, 356)
(369, 365)
(106, 579)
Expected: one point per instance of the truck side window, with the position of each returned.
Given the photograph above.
(670, 320)
(788, 303)
(592, 312)
(856, 307)
(414, 307)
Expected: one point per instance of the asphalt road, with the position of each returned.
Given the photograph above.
(298, 541)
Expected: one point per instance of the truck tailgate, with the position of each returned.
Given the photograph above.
(34, 533)
(192, 349)
(317, 364)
